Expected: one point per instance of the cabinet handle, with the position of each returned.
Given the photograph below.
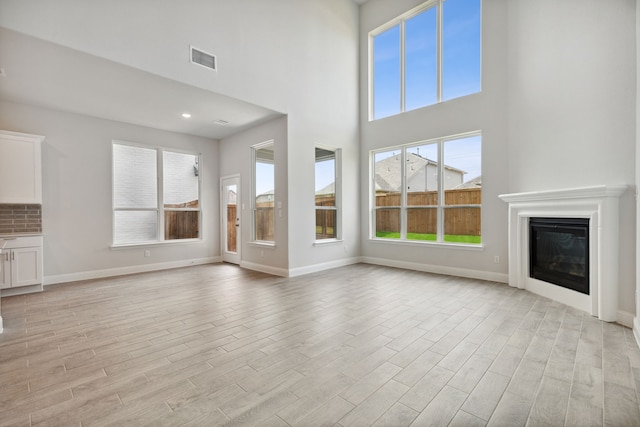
(13, 256)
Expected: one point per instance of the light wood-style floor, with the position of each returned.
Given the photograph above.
(355, 346)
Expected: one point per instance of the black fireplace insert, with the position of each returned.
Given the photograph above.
(559, 252)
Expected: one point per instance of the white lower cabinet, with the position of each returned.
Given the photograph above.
(20, 261)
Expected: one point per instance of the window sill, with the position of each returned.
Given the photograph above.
(325, 242)
(147, 244)
(441, 245)
(263, 244)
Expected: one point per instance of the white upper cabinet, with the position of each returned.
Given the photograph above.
(20, 168)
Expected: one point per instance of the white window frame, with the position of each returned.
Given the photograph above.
(440, 207)
(159, 209)
(401, 20)
(254, 231)
(337, 155)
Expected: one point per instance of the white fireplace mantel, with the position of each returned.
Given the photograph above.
(600, 205)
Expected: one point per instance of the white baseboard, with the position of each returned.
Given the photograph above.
(439, 269)
(625, 318)
(276, 271)
(121, 271)
(1, 327)
(293, 272)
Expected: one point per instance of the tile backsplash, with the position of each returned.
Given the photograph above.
(17, 218)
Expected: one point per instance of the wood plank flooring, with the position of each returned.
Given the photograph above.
(355, 346)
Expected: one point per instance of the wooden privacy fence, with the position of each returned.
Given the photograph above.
(422, 218)
(231, 228)
(325, 218)
(181, 224)
(265, 221)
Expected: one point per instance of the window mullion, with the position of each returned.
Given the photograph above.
(402, 67)
(439, 18)
(440, 208)
(160, 187)
(403, 194)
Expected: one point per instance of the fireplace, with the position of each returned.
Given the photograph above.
(559, 252)
(600, 206)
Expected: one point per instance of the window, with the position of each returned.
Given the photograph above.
(327, 194)
(263, 192)
(429, 191)
(429, 55)
(148, 209)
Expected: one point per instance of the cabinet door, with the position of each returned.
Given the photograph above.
(5, 269)
(26, 266)
(20, 168)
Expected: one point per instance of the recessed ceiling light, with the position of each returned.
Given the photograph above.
(186, 115)
(221, 122)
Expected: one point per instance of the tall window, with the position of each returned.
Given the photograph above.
(428, 55)
(327, 194)
(156, 195)
(263, 192)
(429, 191)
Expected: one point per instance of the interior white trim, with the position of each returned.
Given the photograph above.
(276, 271)
(600, 205)
(314, 268)
(439, 269)
(121, 271)
(625, 318)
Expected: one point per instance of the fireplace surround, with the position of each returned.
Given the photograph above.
(598, 204)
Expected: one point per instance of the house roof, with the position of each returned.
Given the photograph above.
(472, 183)
(328, 190)
(388, 174)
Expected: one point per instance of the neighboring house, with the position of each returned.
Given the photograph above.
(421, 174)
(266, 197)
(472, 183)
(329, 190)
(232, 197)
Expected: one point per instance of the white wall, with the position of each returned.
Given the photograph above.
(636, 324)
(572, 100)
(76, 206)
(296, 57)
(557, 110)
(485, 111)
(235, 159)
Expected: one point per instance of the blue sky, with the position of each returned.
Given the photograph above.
(460, 58)
(265, 175)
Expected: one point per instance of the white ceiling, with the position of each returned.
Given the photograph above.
(41, 73)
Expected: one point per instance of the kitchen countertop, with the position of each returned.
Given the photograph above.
(11, 235)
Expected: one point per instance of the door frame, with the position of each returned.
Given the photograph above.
(231, 257)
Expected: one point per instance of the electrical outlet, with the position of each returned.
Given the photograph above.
(147, 253)
(496, 259)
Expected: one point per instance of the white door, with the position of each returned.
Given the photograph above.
(230, 208)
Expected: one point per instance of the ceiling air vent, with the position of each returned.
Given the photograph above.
(203, 58)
